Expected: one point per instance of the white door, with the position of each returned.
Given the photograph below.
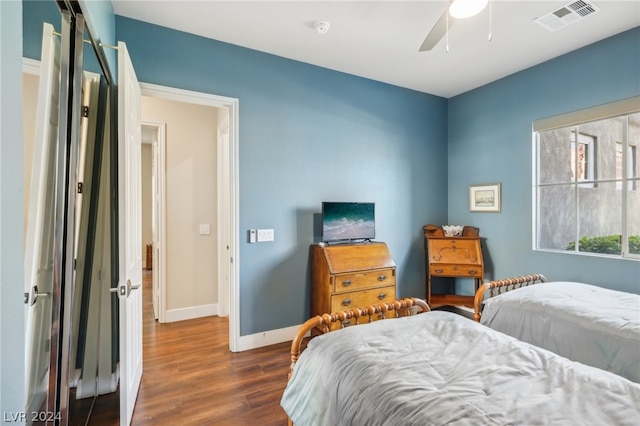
(38, 259)
(129, 234)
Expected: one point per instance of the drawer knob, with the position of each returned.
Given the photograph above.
(382, 277)
(439, 271)
(346, 302)
(381, 296)
(346, 283)
(472, 272)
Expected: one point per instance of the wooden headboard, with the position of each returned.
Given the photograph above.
(502, 286)
(354, 317)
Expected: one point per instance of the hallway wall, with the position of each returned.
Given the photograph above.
(191, 200)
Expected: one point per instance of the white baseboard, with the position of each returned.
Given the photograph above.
(182, 314)
(266, 338)
(246, 343)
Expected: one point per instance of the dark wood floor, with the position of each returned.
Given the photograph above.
(191, 378)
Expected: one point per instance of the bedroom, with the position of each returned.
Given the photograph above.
(301, 119)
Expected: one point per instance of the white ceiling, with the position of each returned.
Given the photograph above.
(380, 39)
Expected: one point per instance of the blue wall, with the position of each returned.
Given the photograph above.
(490, 140)
(307, 135)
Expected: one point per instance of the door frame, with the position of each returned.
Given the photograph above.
(228, 217)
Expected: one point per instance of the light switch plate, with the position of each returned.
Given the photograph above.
(205, 229)
(265, 235)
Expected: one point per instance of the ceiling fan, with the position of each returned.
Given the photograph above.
(457, 9)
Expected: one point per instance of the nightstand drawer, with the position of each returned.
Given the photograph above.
(362, 299)
(456, 270)
(363, 280)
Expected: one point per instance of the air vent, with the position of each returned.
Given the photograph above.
(566, 15)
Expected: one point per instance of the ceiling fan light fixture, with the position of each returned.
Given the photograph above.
(466, 8)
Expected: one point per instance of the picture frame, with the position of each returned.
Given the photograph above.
(485, 198)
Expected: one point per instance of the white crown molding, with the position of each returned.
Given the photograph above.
(30, 66)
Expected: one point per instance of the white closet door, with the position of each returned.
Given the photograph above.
(38, 259)
(130, 233)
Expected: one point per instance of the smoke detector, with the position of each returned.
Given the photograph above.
(566, 15)
(322, 27)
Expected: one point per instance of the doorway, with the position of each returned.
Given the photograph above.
(168, 212)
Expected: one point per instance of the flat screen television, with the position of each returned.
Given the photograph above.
(348, 221)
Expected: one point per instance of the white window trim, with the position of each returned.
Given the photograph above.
(601, 112)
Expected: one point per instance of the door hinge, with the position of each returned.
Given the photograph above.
(79, 187)
(26, 298)
(85, 111)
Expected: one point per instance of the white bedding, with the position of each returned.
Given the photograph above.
(440, 368)
(585, 323)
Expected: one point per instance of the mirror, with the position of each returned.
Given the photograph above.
(91, 356)
(72, 327)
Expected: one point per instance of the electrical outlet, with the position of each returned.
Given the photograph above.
(265, 235)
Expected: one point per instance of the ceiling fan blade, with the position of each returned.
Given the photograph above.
(437, 32)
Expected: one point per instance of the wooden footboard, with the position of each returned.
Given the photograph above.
(354, 317)
(502, 286)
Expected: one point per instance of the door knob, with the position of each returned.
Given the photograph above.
(37, 295)
(131, 287)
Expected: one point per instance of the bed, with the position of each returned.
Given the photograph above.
(442, 368)
(585, 323)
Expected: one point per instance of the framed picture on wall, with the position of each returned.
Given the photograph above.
(485, 198)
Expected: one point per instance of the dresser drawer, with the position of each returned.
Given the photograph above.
(361, 299)
(456, 270)
(363, 280)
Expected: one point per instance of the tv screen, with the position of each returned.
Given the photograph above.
(348, 221)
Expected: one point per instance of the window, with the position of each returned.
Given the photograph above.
(582, 159)
(585, 180)
(631, 165)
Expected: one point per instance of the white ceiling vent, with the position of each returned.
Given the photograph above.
(567, 15)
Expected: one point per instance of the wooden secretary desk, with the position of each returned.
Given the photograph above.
(453, 257)
(346, 276)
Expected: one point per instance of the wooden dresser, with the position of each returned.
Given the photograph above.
(453, 257)
(351, 276)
